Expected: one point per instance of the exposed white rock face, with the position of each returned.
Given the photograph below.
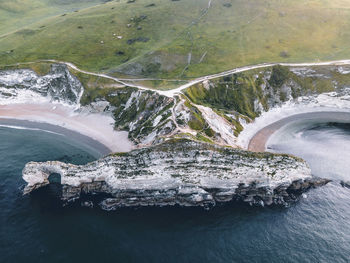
(223, 129)
(146, 115)
(250, 101)
(180, 172)
(25, 86)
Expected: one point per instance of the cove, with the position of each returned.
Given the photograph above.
(258, 141)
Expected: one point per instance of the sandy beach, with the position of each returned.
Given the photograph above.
(97, 127)
(259, 140)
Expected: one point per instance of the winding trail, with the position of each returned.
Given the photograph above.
(258, 141)
(171, 93)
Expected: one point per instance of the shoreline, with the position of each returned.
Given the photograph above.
(258, 142)
(100, 148)
(95, 130)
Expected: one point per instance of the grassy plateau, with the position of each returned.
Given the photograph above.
(173, 39)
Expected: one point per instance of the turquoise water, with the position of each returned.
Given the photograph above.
(36, 229)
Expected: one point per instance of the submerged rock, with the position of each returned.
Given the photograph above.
(345, 184)
(180, 172)
(89, 204)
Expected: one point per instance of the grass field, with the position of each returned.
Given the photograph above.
(17, 14)
(173, 39)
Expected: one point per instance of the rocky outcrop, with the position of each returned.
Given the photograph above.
(180, 172)
(146, 115)
(242, 98)
(345, 184)
(24, 85)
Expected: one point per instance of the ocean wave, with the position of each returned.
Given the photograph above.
(324, 144)
(321, 103)
(26, 128)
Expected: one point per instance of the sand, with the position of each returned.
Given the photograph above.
(97, 127)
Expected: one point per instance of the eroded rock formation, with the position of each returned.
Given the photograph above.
(24, 85)
(180, 172)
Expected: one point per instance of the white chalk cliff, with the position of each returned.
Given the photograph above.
(180, 172)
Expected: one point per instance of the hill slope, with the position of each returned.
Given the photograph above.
(180, 39)
(17, 14)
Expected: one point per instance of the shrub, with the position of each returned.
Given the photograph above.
(279, 76)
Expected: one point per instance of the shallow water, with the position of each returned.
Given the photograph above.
(35, 229)
(324, 145)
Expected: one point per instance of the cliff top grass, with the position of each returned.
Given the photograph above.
(40, 68)
(173, 39)
(23, 14)
(185, 145)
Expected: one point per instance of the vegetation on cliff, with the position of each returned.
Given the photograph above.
(213, 111)
(244, 96)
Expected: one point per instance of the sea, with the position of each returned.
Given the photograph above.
(37, 228)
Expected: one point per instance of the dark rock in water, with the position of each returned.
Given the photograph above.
(345, 184)
(281, 195)
(181, 172)
(89, 204)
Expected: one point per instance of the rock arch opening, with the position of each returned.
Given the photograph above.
(54, 178)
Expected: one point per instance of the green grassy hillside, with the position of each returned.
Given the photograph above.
(160, 37)
(18, 14)
(248, 94)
